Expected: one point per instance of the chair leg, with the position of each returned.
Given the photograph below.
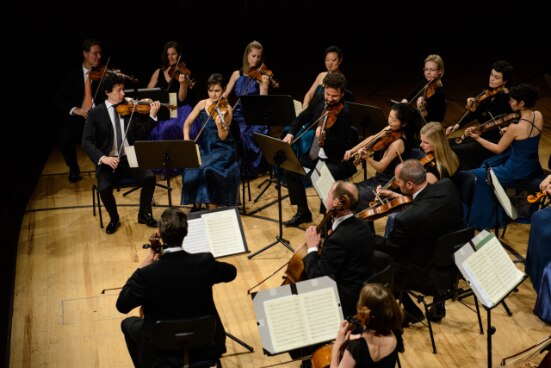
(430, 325)
(94, 200)
(99, 209)
(130, 191)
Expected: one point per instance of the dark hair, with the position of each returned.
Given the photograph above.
(334, 49)
(169, 45)
(409, 120)
(88, 43)
(173, 227)
(214, 79)
(348, 190)
(506, 69)
(335, 80)
(111, 80)
(384, 313)
(525, 92)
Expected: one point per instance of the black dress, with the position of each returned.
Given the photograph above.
(360, 352)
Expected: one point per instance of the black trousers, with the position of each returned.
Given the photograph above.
(107, 179)
(70, 135)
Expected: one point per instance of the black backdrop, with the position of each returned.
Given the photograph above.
(385, 35)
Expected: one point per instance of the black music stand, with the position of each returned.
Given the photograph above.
(280, 154)
(167, 155)
(273, 110)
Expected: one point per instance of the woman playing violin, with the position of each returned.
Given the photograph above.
(168, 79)
(400, 119)
(516, 153)
(492, 102)
(245, 85)
(216, 182)
(434, 141)
(380, 340)
(430, 98)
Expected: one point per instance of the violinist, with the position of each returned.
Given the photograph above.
(105, 138)
(168, 78)
(400, 119)
(220, 165)
(331, 110)
(172, 285)
(430, 98)
(434, 141)
(244, 85)
(490, 103)
(435, 211)
(74, 99)
(516, 155)
(380, 339)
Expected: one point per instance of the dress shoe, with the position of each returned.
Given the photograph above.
(436, 312)
(412, 318)
(299, 218)
(74, 176)
(147, 219)
(112, 226)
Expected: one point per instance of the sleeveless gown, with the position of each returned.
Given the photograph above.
(520, 162)
(217, 179)
(253, 161)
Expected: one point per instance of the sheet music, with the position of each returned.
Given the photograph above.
(286, 322)
(198, 155)
(502, 197)
(224, 233)
(322, 179)
(131, 156)
(322, 317)
(196, 240)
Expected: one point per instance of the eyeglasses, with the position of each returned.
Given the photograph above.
(430, 69)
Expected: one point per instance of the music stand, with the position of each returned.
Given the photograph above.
(369, 120)
(273, 110)
(167, 155)
(280, 154)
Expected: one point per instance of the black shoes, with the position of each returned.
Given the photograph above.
(299, 218)
(74, 176)
(436, 312)
(412, 318)
(147, 219)
(112, 226)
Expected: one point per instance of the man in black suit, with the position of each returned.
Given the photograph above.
(435, 211)
(336, 139)
(104, 140)
(74, 100)
(174, 285)
(347, 253)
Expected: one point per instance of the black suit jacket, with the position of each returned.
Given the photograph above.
(98, 136)
(71, 92)
(434, 212)
(178, 286)
(346, 257)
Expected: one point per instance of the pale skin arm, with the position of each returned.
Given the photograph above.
(191, 118)
(231, 84)
(182, 92)
(154, 78)
(264, 85)
(348, 154)
(342, 336)
(390, 154)
(310, 94)
(503, 143)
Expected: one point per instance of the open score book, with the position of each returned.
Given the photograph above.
(487, 267)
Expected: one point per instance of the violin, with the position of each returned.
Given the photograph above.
(154, 243)
(142, 106)
(321, 358)
(329, 120)
(533, 198)
(181, 68)
(98, 72)
(258, 72)
(473, 105)
(220, 108)
(383, 208)
(379, 142)
(497, 122)
(430, 88)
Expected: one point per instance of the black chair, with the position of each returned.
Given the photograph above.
(443, 261)
(127, 182)
(384, 272)
(185, 335)
(465, 182)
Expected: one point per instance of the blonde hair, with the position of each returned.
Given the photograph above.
(435, 58)
(252, 45)
(447, 161)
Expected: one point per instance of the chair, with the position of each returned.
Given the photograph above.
(126, 182)
(446, 246)
(185, 335)
(384, 272)
(465, 182)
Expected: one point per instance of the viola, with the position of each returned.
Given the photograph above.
(181, 69)
(99, 72)
(258, 72)
(329, 120)
(220, 108)
(383, 208)
(497, 122)
(142, 106)
(154, 243)
(379, 142)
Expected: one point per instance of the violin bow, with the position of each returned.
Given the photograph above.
(324, 115)
(176, 67)
(101, 79)
(207, 120)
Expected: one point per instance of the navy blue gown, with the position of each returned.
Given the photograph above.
(217, 179)
(538, 261)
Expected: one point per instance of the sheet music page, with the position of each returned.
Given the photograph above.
(322, 179)
(286, 323)
(196, 240)
(223, 233)
(322, 314)
(173, 100)
(198, 154)
(502, 197)
(131, 156)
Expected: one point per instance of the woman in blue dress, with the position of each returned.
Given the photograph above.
(253, 161)
(516, 157)
(215, 182)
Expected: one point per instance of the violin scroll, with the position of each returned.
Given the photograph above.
(154, 243)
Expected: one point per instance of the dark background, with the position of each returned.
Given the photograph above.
(384, 47)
